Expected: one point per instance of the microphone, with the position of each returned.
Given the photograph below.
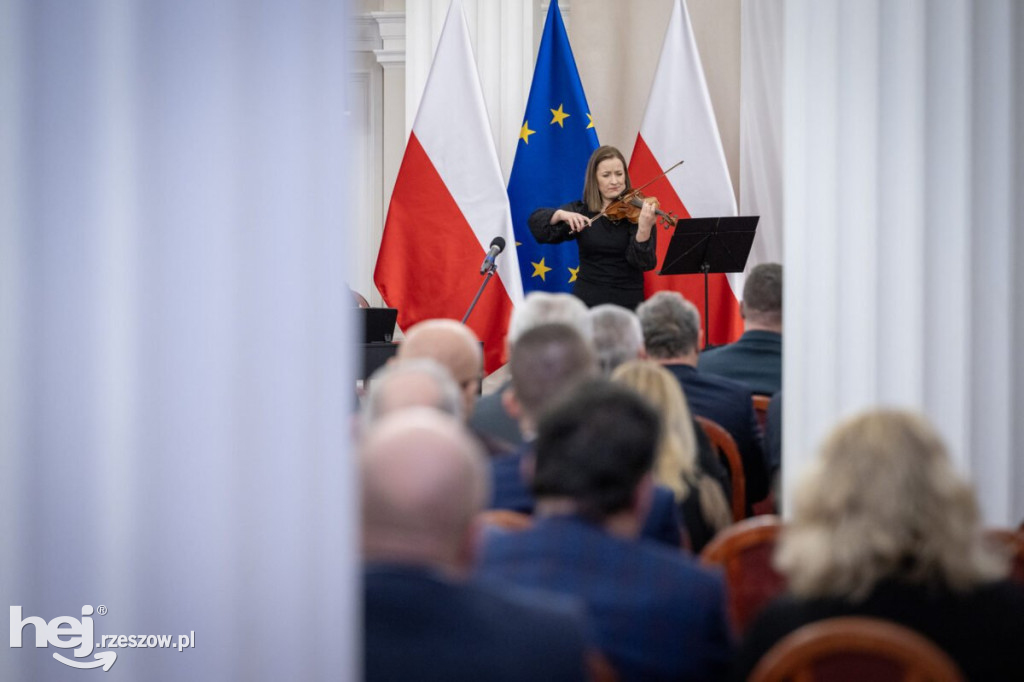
(497, 246)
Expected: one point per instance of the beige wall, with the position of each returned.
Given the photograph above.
(617, 45)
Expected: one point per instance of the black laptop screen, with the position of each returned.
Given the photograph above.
(379, 324)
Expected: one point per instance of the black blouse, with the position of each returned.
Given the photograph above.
(610, 255)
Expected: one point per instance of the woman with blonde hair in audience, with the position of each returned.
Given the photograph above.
(704, 508)
(884, 526)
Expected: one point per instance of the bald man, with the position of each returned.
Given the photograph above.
(423, 481)
(419, 382)
(457, 348)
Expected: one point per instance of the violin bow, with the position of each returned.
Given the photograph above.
(655, 178)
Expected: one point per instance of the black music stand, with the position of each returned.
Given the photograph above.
(705, 245)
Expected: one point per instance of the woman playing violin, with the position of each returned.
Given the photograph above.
(614, 254)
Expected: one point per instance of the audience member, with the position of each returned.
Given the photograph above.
(618, 336)
(703, 503)
(420, 382)
(755, 359)
(457, 348)
(655, 613)
(423, 480)
(883, 526)
(547, 360)
(672, 332)
(539, 307)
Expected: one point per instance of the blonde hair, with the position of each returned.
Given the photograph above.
(675, 463)
(884, 501)
(677, 448)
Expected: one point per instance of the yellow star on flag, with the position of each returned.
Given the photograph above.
(539, 270)
(591, 119)
(573, 271)
(525, 133)
(558, 116)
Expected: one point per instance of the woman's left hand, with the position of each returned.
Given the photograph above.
(646, 220)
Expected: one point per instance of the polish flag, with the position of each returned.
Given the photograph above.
(448, 204)
(679, 124)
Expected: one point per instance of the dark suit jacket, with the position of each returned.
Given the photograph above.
(755, 359)
(983, 631)
(728, 404)
(489, 417)
(509, 490)
(773, 434)
(419, 625)
(654, 612)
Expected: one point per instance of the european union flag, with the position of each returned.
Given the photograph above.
(555, 143)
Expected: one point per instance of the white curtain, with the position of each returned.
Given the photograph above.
(175, 374)
(760, 189)
(904, 168)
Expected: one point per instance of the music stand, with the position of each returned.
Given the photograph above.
(705, 245)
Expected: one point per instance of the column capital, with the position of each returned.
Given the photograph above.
(391, 29)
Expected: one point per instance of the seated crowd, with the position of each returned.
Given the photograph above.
(593, 440)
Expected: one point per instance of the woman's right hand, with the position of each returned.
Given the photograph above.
(576, 221)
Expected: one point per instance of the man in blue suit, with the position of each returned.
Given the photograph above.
(539, 307)
(423, 480)
(755, 359)
(672, 334)
(655, 613)
(545, 360)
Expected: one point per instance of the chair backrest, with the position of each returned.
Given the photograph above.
(761, 403)
(599, 668)
(855, 648)
(506, 519)
(744, 550)
(726, 448)
(1012, 541)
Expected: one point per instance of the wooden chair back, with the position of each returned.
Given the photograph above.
(726, 448)
(768, 504)
(744, 550)
(599, 668)
(856, 648)
(1013, 542)
(506, 519)
(761, 403)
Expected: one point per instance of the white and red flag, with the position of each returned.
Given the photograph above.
(679, 124)
(448, 204)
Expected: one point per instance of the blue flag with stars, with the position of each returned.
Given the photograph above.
(555, 143)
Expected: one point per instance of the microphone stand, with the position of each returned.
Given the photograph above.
(490, 273)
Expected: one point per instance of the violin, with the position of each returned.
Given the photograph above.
(630, 202)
